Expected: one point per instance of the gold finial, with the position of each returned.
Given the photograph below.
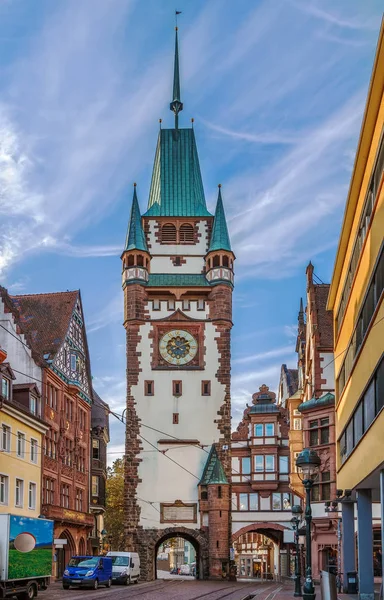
(134, 185)
(160, 120)
(176, 29)
(219, 186)
(192, 120)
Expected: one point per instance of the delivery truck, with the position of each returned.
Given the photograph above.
(25, 555)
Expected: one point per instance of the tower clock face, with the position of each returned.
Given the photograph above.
(178, 347)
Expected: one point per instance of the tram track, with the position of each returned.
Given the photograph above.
(230, 592)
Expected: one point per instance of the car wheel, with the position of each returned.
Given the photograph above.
(137, 580)
(95, 584)
(126, 582)
(65, 586)
(109, 583)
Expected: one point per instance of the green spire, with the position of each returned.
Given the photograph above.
(177, 186)
(135, 239)
(213, 471)
(220, 236)
(176, 105)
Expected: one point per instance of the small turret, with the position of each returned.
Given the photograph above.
(135, 257)
(219, 258)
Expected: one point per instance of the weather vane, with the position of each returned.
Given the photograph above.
(177, 12)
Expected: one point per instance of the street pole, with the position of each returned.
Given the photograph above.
(308, 588)
(297, 562)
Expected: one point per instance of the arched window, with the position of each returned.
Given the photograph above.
(216, 261)
(187, 234)
(140, 261)
(225, 261)
(131, 260)
(168, 233)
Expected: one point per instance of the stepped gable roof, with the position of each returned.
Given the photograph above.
(135, 239)
(213, 471)
(220, 236)
(46, 318)
(293, 380)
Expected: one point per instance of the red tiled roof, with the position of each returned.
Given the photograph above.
(324, 316)
(46, 318)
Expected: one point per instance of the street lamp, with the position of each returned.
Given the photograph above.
(297, 511)
(308, 465)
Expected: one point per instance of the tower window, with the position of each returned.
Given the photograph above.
(186, 234)
(149, 388)
(131, 260)
(216, 261)
(140, 261)
(175, 419)
(219, 492)
(205, 388)
(168, 234)
(186, 305)
(171, 305)
(217, 544)
(156, 305)
(200, 304)
(225, 261)
(177, 388)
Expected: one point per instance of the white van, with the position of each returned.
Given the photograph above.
(125, 567)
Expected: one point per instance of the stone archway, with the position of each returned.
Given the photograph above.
(65, 553)
(82, 547)
(150, 541)
(263, 555)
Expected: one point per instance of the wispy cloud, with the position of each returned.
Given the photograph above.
(313, 9)
(283, 351)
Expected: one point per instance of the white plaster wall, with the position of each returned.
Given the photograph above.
(174, 249)
(328, 366)
(19, 356)
(164, 312)
(163, 481)
(163, 264)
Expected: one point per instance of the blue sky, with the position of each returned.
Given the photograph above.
(277, 90)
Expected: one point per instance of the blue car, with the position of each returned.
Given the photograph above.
(88, 571)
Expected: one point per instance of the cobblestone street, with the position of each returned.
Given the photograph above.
(178, 590)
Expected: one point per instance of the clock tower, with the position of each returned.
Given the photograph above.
(177, 280)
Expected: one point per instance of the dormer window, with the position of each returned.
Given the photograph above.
(5, 388)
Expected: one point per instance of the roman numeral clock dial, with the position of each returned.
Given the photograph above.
(178, 347)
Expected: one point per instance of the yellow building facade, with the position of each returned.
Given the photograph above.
(20, 461)
(356, 299)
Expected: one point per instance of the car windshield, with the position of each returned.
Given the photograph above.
(84, 562)
(120, 561)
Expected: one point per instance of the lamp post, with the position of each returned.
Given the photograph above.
(308, 465)
(297, 511)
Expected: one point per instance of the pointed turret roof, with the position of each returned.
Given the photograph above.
(135, 239)
(220, 236)
(213, 471)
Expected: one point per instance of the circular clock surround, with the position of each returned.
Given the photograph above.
(178, 347)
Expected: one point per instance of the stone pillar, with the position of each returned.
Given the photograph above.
(365, 545)
(348, 539)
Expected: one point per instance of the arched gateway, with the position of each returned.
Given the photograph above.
(178, 282)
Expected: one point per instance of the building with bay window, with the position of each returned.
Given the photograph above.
(261, 496)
